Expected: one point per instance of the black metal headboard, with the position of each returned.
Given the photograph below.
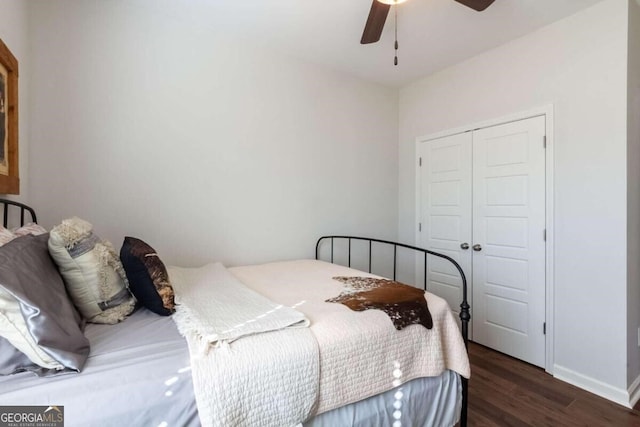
(9, 207)
(465, 316)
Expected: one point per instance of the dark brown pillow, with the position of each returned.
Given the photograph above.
(147, 275)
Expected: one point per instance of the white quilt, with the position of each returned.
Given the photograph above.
(361, 354)
(253, 362)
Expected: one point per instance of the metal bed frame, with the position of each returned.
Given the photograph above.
(465, 315)
(16, 206)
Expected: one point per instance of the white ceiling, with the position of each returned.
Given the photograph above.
(432, 34)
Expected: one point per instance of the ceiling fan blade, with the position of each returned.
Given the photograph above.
(375, 22)
(478, 5)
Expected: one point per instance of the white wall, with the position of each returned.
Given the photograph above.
(150, 123)
(633, 192)
(14, 33)
(579, 65)
(142, 103)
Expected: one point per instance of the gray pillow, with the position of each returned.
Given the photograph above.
(28, 273)
(12, 360)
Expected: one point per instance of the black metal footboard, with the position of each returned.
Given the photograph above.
(465, 316)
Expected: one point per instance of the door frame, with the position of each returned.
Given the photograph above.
(547, 112)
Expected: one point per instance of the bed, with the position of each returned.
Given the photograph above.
(151, 370)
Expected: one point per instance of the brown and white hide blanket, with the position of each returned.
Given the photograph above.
(404, 304)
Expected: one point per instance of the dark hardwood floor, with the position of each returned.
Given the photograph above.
(507, 392)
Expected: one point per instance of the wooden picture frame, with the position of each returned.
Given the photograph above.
(9, 177)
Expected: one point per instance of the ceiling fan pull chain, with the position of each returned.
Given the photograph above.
(395, 13)
(395, 59)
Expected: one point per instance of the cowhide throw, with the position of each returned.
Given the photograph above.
(405, 305)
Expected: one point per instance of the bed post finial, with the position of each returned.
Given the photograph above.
(465, 316)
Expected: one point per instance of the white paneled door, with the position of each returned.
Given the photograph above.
(509, 233)
(504, 226)
(446, 200)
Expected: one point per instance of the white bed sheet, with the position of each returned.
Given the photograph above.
(137, 375)
(413, 406)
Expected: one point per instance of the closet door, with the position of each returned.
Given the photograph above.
(508, 310)
(445, 212)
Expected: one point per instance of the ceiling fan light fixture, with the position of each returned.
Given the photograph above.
(392, 2)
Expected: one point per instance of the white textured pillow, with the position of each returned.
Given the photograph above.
(15, 330)
(92, 272)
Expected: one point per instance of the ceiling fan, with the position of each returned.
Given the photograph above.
(380, 10)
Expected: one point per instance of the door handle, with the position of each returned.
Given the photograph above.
(464, 246)
(477, 247)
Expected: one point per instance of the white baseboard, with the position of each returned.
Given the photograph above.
(634, 392)
(614, 394)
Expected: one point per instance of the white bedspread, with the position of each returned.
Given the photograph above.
(252, 362)
(361, 353)
(254, 379)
